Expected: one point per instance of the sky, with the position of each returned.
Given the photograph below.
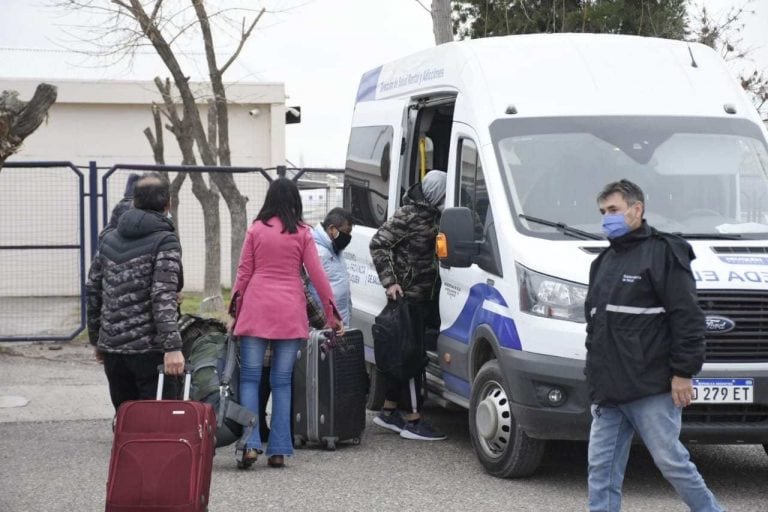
(317, 48)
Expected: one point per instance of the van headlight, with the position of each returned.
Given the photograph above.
(547, 296)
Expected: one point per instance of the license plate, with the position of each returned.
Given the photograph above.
(723, 391)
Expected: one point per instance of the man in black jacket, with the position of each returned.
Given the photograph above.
(132, 291)
(645, 341)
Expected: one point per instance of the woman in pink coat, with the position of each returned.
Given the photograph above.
(271, 307)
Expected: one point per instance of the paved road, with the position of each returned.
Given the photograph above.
(54, 454)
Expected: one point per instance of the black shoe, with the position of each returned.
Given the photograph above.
(250, 456)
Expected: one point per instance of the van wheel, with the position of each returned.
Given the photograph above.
(502, 447)
(376, 390)
(765, 447)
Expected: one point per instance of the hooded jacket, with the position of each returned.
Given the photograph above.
(132, 284)
(336, 270)
(644, 324)
(403, 249)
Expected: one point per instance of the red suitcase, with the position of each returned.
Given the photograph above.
(162, 455)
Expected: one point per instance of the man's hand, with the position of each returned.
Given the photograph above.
(99, 355)
(682, 391)
(394, 290)
(174, 363)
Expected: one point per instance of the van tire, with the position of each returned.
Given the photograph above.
(765, 447)
(500, 444)
(376, 389)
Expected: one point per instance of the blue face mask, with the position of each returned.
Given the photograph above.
(615, 225)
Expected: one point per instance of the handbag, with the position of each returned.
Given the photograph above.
(315, 313)
(397, 347)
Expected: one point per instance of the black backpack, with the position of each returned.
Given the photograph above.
(398, 349)
(212, 354)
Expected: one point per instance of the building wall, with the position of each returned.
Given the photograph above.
(104, 122)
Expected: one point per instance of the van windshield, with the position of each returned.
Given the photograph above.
(702, 177)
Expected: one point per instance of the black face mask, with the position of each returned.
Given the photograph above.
(341, 241)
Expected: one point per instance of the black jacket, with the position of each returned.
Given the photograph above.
(132, 284)
(644, 324)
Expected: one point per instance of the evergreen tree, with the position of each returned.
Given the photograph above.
(487, 18)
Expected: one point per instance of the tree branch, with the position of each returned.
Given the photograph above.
(423, 6)
(243, 38)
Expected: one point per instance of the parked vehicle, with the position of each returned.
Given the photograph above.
(529, 129)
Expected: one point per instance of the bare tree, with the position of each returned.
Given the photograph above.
(132, 24)
(725, 36)
(19, 119)
(442, 25)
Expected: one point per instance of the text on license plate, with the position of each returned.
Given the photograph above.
(723, 391)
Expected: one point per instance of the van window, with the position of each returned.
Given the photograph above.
(472, 191)
(366, 176)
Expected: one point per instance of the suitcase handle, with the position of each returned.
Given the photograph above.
(161, 380)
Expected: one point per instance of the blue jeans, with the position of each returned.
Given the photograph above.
(656, 420)
(251, 362)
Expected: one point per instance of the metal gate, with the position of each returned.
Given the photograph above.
(51, 214)
(42, 251)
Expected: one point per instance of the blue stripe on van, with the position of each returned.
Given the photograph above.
(366, 91)
(473, 314)
(457, 384)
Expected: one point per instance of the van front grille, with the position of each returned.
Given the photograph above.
(748, 310)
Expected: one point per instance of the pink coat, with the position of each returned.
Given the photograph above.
(272, 304)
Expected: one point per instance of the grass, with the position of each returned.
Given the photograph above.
(193, 300)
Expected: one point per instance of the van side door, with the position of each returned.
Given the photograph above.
(371, 179)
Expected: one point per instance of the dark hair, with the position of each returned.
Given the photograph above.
(151, 193)
(337, 217)
(282, 201)
(629, 191)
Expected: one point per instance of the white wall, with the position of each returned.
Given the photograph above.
(104, 121)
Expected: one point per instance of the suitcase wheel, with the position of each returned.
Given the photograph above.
(330, 445)
(355, 440)
(299, 442)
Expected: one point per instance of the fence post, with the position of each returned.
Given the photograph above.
(93, 205)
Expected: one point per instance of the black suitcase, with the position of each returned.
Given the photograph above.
(329, 390)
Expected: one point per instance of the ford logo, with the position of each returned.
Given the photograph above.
(719, 324)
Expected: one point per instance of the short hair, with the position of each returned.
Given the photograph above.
(337, 217)
(151, 193)
(629, 191)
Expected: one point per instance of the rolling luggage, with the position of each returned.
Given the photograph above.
(162, 455)
(329, 390)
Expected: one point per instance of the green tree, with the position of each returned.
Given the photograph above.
(487, 18)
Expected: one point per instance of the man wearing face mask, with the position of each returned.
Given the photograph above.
(331, 237)
(403, 251)
(645, 341)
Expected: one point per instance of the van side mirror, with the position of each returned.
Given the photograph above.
(456, 246)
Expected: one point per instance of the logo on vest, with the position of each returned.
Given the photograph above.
(626, 278)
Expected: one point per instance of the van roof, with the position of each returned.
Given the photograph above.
(568, 74)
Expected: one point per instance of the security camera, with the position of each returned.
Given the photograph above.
(254, 112)
(294, 111)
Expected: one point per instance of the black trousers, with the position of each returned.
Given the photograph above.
(425, 319)
(134, 377)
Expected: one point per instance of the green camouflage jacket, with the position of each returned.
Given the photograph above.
(403, 249)
(132, 286)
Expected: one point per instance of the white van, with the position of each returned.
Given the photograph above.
(529, 130)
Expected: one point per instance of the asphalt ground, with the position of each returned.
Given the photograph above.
(54, 454)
